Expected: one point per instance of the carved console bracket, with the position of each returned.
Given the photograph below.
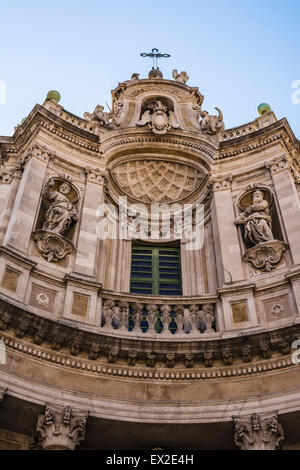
(52, 246)
(265, 256)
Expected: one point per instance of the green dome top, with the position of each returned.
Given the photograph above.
(263, 108)
(23, 120)
(53, 95)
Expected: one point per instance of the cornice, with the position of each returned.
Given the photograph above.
(99, 368)
(130, 136)
(41, 118)
(241, 352)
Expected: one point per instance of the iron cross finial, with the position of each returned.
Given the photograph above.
(155, 55)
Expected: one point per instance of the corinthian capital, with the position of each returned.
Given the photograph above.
(258, 432)
(278, 164)
(219, 183)
(95, 175)
(60, 428)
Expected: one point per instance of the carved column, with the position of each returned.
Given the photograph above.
(258, 432)
(86, 256)
(60, 428)
(229, 258)
(27, 199)
(289, 202)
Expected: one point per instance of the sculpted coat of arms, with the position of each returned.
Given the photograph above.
(159, 117)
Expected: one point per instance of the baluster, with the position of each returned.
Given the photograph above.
(179, 319)
(206, 315)
(123, 315)
(108, 310)
(137, 316)
(151, 318)
(194, 319)
(165, 319)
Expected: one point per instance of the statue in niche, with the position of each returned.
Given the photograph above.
(180, 77)
(256, 219)
(212, 124)
(61, 212)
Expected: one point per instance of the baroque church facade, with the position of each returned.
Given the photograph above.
(146, 342)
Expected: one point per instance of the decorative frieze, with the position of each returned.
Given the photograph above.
(60, 428)
(258, 432)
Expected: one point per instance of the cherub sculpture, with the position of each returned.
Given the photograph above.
(212, 124)
(180, 77)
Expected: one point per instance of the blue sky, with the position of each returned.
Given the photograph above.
(239, 53)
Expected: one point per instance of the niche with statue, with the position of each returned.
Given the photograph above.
(261, 231)
(57, 218)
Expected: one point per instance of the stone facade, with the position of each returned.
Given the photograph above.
(77, 348)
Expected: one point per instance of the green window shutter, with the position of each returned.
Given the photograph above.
(155, 270)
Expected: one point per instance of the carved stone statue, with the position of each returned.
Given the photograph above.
(61, 212)
(103, 118)
(51, 243)
(180, 77)
(134, 77)
(159, 117)
(212, 124)
(256, 219)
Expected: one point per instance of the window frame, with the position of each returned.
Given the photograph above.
(154, 279)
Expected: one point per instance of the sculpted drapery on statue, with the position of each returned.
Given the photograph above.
(211, 124)
(256, 219)
(61, 212)
(266, 252)
(59, 217)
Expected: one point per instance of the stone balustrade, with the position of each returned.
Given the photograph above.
(153, 319)
(78, 122)
(240, 131)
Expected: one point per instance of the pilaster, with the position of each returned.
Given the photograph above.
(27, 199)
(229, 259)
(86, 257)
(288, 200)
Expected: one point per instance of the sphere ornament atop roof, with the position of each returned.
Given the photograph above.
(155, 73)
(53, 95)
(263, 108)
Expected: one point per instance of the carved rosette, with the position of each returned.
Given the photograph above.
(60, 428)
(258, 432)
(52, 246)
(265, 256)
